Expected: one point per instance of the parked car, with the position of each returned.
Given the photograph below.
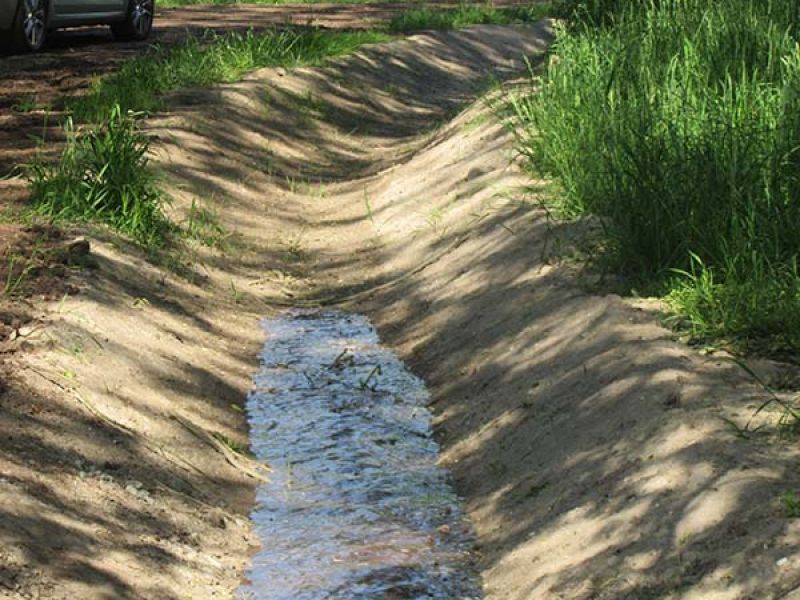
(25, 23)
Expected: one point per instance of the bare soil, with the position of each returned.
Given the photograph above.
(591, 447)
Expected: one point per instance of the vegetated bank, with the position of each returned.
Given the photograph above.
(139, 85)
(678, 123)
(104, 174)
(424, 17)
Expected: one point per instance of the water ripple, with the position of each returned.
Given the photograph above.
(356, 506)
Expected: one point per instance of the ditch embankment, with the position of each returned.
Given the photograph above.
(590, 446)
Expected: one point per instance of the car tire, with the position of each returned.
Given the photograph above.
(138, 21)
(29, 31)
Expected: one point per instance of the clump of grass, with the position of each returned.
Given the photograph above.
(678, 123)
(203, 225)
(791, 503)
(18, 269)
(212, 58)
(418, 19)
(27, 104)
(103, 175)
(788, 422)
(232, 445)
(759, 305)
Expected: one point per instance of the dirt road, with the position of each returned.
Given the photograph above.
(589, 445)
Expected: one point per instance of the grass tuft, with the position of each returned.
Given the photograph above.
(103, 175)
(678, 123)
(791, 503)
(204, 226)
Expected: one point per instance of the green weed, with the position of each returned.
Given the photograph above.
(236, 294)
(294, 245)
(368, 206)
(789, 420)
(315, 191)
(792, 505)
(103, 175)
(267, 165)
(434, 220)
(232, 445)
(478, 121)
(203, 225)
(758, 307)
(18, 270)
(27, 104)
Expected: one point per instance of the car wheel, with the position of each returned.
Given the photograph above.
(30, 25)
(138, 22)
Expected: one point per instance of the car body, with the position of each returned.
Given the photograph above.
(25, 23)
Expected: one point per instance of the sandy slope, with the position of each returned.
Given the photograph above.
(589, 446)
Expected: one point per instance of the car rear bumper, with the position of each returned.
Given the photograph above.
(8, 9)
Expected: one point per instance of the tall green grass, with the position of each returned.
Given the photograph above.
(103, 175)
(678, 123)
(597, 13)
(213, 58)
(418, 19)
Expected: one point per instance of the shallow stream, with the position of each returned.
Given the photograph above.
(356, 506)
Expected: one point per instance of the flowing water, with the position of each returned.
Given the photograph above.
(356, 506)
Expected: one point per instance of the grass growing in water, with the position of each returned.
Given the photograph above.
(466, 14)
(678, 122)
(212, 58)
(103, 175)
